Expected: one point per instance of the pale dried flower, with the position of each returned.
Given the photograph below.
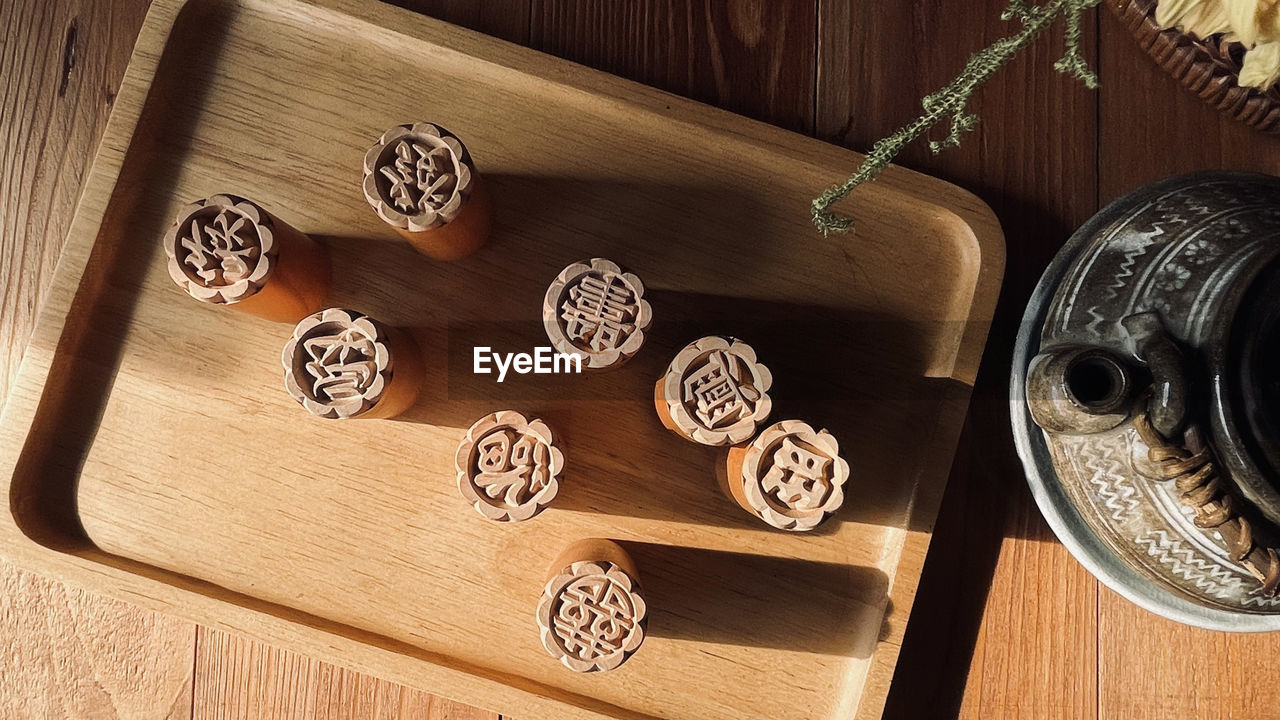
(1252, 23)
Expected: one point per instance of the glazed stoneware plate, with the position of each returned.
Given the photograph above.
(1156, 328)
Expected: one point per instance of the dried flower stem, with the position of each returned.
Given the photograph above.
(953, 99)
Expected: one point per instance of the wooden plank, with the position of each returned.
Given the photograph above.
(1144, 663)
(61, 62)
(507, 19)
(66, 653)
(754, 57)
(1151, 667)
(383, 606)
(1034, 657)
(240, 679)
(981, 611)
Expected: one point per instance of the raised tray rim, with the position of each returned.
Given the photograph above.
(190, 599)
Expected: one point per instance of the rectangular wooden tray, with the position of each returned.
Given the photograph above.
(141, 461)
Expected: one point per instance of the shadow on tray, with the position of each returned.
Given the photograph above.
(858, 374)
(711, 596)
(83, 370)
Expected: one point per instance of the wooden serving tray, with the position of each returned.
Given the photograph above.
(150, 452)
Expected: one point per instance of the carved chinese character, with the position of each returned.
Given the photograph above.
(508, 467)
(225, 250)
(715, 392)
(597, 310)
(600, 312)
(789, 476)
(220, 249)
(338, 365)
(422, 178)
(799, 478)
(720, 390)
(592, 615)
(342, 365)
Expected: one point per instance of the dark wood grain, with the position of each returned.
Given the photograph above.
(64, 652)
(61, 62)
(982, 639)
(753, 57)
(1151, 668)
(1006, 624)
(507, 19)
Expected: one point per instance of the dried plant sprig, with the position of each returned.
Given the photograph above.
(952, 101)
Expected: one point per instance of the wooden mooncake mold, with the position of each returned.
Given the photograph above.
(225, 250)
(508, 466)
(789, 476)
(420, 179)
(597, 310)
(592, 613)
(714, 392)
(342, 364)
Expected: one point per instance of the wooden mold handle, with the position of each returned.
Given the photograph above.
(594, 550)
(420, 179)
(343, 364)
(226, 250)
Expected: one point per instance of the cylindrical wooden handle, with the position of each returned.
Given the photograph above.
(342, 364)
(592, 613)
(461, 236)
(594, 550)
(226, 250)
(420, 179)
(299, 284)
(407, 376)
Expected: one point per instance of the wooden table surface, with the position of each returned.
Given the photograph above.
(1006, 624)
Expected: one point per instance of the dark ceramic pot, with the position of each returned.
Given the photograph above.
(1158, 326)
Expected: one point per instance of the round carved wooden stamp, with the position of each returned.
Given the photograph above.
(342, 364)
(714, 392)
(592, 613)
(226, 250)
(508, 466)
(420, 179)
(597, 310)
(789, 476)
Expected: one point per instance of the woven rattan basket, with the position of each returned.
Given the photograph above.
(1208, 68)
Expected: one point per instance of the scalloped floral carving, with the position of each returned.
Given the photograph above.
(337, 363)
(418, 176)
(597, 310)
(793, 477)
(508, 466)
(221, 249)
(592, 616)
(716, 392)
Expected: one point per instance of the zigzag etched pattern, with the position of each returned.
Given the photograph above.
(1120, 264)
(1212, 579)
(1107, 475)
